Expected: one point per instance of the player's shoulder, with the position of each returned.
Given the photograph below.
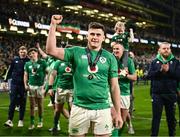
(28, 63)
(107, 53)
(42, 61)
(75, 48)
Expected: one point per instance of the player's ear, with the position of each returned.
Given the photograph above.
(104, 37)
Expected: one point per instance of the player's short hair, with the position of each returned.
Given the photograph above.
(119, 24)
(96, 25)
(22, 48)
(32, 49)
(162, 43)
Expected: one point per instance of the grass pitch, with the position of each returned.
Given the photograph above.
(141, 120)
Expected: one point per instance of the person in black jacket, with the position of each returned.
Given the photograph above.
(164, 73)
(178, 101)
(17, 89)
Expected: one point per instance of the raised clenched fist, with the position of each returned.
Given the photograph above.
(56, 19)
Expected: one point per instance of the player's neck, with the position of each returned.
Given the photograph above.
(34, 60)
(94, 48)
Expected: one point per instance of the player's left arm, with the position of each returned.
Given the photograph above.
(131, 72)
(115, 95)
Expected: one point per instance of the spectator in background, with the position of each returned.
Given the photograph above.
(139, 72)
(17, 89)
(164, 73)
(94, 69)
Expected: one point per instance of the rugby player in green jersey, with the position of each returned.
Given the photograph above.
(34, 75)
(94, 69)
(62, 72)
(126, 75)
(50, 66)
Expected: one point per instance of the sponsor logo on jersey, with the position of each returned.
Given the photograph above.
(84, 56)
(62, 64)
(67, 69)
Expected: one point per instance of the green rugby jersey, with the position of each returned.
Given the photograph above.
(36, 72)
(64, 78)
(124, 82)
(122, 39)
(91, 93)
(50, 65)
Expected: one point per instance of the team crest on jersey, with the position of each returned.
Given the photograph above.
(35, 68)
(68, 69)
(123, 36)
(102, 60)
(93, 69)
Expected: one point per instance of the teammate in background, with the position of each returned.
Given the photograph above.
(17, 93)
(123, 37)
(34, 75)
(164, 73)
(94, 68)
(63, 89)
(50, 63)
(126, 75)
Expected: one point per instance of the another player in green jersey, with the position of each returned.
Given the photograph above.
(126, 75)
(63, 73)
(34, 75)
(123, 37)
(50, 66)
(94, 69)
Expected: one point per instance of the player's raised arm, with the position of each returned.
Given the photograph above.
(51, 48)
(131, 33)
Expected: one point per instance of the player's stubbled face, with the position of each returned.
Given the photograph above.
(95, 38)
(118, 50)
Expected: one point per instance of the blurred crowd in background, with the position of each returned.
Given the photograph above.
(9, 44)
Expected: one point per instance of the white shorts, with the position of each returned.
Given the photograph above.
(125, 102)
(82, 119)
(36, 91)
(63, 95)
